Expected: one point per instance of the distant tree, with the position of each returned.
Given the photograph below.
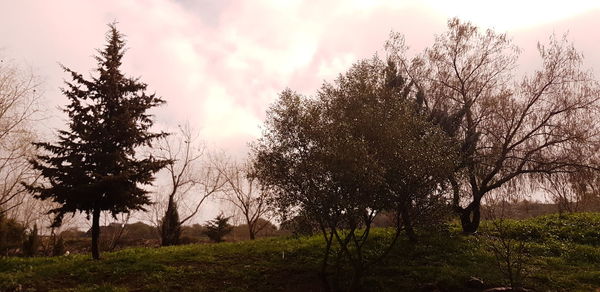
(243, 191)
(12, 234)
(511, 131)
(95, 166)
(58, 248)
(192, 181)
(217, 228)
(358, 148)
(31, 244)
(19, 100)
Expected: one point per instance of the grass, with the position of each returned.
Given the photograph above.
(563, 255)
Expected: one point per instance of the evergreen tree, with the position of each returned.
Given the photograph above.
(170, 226)
(94, 166)
(31, 244)
(217, 228)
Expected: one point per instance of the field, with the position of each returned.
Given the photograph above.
(562, 254)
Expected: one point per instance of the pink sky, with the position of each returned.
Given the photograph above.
(220, 63)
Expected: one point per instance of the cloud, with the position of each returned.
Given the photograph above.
(220, 63)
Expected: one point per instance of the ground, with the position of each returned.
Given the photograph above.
(562, 254)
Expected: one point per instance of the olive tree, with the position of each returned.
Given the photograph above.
(356, 148)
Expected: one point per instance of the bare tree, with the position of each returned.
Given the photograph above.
(511, 131)
(192, 180)
(244, 192)
(562, 191)
(18, 106)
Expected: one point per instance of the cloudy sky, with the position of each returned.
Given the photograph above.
(219, 63)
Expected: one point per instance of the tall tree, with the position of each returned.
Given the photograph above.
(95, 165)
(357, 148)
(511, 130)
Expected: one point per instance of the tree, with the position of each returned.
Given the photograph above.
(217, 228)
(31, 244)
(358, 148)
(190, 183)
(18, 107)
(511, 132)
(95, 165)
(244, 192)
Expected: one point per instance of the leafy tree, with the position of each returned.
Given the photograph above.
(217, 228)
(95, 166)
(358, 148)
(510, 131)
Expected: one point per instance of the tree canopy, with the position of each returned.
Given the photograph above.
(94, 166)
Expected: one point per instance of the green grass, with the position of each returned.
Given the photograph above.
(563, 255)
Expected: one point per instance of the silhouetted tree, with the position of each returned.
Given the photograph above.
(95, 166)
(170, 226)
(192, 182)
(217, 228)
(510, 131)
(31, 244)
(359, 147)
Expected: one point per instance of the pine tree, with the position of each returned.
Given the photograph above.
(217, 228)
(94, 166)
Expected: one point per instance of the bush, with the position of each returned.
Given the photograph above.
(11, 235)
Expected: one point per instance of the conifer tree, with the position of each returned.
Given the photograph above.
(217, 228)
(94, 166)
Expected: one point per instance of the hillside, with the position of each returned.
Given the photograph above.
(563, 254)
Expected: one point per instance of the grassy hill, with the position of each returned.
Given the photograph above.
(563, 254)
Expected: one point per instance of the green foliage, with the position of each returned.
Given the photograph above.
(94, 166)
(290, 264)
(217, 228)
(58, 248)
(31, 244)
(170, 227)
(359, 147)
(12, 234)
(580, 228)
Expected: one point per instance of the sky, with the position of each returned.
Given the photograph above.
(220, 63)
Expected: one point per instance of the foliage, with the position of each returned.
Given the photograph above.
(290, 264)
(95, 166)
(511, 131)
(217, 228)
(31, 244)
(359, 147)
(58, 248)
(509, 254)
(12, 234)
(170, 229)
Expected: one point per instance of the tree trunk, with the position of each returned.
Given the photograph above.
(95, 233)
(470, 218)
(251, 231)
(408, 226)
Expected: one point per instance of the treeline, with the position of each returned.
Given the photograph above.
(420, 139)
